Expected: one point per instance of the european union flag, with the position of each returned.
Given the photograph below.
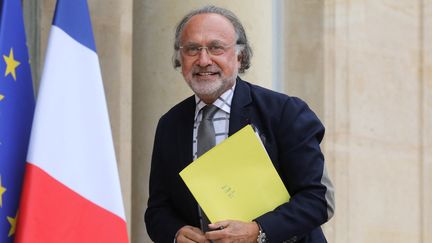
(16, 113)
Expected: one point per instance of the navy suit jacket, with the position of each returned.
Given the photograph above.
(291, 133)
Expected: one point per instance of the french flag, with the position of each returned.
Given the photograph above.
(71, 190)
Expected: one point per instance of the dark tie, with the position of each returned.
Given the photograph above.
(206, 140)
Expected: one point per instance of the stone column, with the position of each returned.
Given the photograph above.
(425, 74)
(376, 111)
(304, 52)
(306, 60)
(365, 67)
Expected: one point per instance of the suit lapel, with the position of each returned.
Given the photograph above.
(185, 132)
(240, 109)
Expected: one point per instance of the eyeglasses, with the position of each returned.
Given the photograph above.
(215, 49)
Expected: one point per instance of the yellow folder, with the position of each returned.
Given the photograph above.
(236, 179)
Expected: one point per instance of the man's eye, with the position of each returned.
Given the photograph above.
(216, 48)
(192, 48)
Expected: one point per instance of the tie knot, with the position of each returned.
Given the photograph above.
(208, 112)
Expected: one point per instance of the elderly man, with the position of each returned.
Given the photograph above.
(211, 48)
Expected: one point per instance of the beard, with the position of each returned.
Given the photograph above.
(208, 83)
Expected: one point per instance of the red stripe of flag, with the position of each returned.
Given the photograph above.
(54, 213)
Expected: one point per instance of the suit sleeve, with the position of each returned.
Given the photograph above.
(162, 223)
(301, 166)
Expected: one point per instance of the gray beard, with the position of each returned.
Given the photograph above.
(211, 90)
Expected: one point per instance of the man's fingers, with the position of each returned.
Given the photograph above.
(218, 226)
(189, 234)
(183, 239)
(233, 231)
(218, 231)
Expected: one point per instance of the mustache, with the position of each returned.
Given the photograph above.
(209, 69)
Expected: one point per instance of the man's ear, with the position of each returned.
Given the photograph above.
(240, 56)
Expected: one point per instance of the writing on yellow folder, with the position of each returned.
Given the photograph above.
(236, 179)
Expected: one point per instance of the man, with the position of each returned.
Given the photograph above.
(211, 48)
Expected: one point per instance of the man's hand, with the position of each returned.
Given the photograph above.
(233, 231)
(188, 234)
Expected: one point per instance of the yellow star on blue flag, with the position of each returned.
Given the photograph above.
(11, 64)
(16, 109)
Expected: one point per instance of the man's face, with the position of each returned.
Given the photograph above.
(207, 74)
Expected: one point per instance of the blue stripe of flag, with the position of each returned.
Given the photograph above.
(73, 17)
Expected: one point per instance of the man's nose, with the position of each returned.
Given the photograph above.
(204, 59)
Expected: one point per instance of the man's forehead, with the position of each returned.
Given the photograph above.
(208, 26)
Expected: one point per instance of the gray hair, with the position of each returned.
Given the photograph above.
(242, 41)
